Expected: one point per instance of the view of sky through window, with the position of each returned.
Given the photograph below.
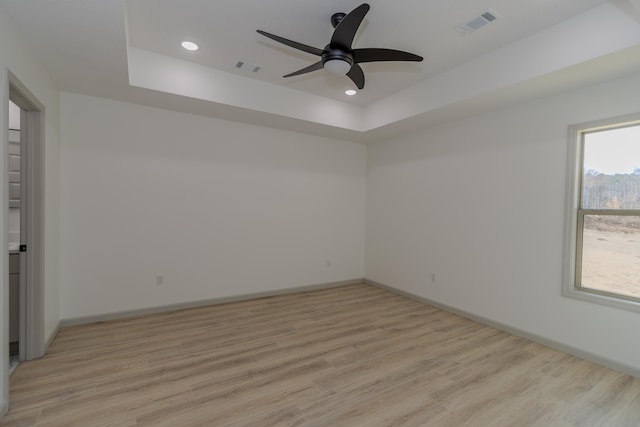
(615, 151)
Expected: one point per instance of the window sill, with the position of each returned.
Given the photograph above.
(601, 299)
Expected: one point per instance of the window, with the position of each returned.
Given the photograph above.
(602, 236)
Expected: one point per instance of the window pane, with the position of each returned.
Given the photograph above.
(611, 254)
(611, 173)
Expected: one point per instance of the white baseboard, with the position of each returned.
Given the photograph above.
(4, 407)
(600, 360)
(202, 303)
(51, 336)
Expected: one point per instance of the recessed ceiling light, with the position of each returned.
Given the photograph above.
(189, 45)
(350, 92)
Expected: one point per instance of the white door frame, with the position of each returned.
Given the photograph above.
(32, 340)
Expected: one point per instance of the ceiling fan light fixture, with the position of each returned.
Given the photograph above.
(339, 67)
(350, 92)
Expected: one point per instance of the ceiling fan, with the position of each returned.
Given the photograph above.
(338, 57)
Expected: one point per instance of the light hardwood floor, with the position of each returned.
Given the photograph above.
(350, 356)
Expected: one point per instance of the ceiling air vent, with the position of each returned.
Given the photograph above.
(245, 66)
(477, 22)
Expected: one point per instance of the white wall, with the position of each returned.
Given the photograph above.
(219, 208)
(479, 203)
(17, 57)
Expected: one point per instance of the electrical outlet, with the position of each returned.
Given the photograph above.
(433, 277)
(159, 280)
(328, 263)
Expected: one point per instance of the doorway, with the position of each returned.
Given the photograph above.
(13, 220)
(25, 224)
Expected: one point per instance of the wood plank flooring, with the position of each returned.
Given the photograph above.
(349, 356)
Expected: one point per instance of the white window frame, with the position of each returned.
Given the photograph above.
(573, 214)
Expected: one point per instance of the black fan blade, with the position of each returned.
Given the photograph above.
(376, 55)
(347, 28)
(357, 75)
(310, 68)
(303, 47)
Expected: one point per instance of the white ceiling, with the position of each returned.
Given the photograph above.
(226, 31)
(130, 50)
